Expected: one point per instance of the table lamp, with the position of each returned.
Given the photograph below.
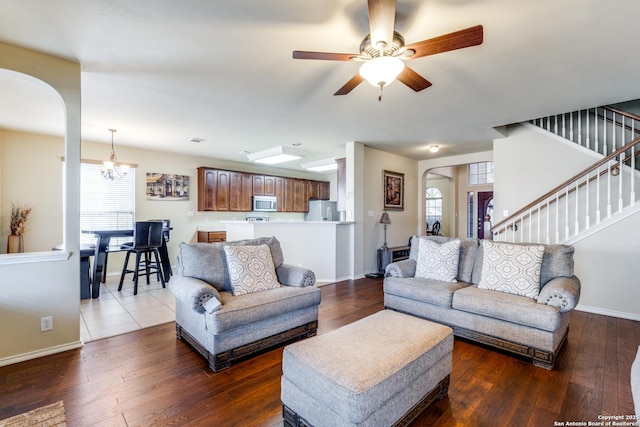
(384, 219)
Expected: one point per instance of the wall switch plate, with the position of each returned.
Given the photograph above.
(46, 323)
(505, 213)
(370, 213)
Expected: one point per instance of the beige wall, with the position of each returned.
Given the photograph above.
(45, 195)
(403, 223)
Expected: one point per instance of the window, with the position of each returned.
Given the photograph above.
(105, 205)
(433, 207)
(480, 173)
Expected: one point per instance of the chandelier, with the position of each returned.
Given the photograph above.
(110, 169)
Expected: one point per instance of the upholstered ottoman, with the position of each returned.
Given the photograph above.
(381, 370)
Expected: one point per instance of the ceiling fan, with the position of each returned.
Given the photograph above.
(383, 51)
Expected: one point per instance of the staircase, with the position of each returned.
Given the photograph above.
(601, 193)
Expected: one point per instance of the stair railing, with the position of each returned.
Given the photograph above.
(601, 129)
(599, 192)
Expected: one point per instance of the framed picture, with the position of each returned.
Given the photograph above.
(393, 187)
(162, 186)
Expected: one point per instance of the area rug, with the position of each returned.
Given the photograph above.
(45, 416)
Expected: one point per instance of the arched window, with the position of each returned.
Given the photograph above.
(433, 207)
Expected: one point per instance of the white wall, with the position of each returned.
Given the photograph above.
(34, 285)
(527, 164)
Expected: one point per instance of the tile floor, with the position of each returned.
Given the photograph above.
(117, 312)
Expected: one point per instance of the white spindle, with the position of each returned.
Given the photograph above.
(604, 133)
(566, 213)
(548, 221)
(596, 120)
(555, 125)
(557, 217)
(539, 215)
(588, 130)
(587, 218)
(579, 128)
(632, 194)
(620, 176)
(571, 126)
(598, 196)
(613, 131)
(609, 190)
(576, 221)
(564, 128)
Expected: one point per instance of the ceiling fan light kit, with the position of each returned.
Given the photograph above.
(434, 148)
(383, 51)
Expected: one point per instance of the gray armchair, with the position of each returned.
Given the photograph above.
(224, 327)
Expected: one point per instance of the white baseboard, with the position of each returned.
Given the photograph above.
(606, 312)
(40, 353)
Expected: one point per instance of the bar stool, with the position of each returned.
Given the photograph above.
(147, 238)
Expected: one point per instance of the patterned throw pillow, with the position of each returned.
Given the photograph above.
(513, 269)
(438, 261)
(251, 269)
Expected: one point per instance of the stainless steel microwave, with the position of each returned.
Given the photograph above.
(265, 204)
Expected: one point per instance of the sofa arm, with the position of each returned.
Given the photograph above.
(290, 275)
(402, 268)
(561, 292)
(192, 291)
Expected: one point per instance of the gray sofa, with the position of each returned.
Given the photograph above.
(224, 327)
(534, 327)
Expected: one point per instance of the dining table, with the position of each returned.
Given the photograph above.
(101, 253)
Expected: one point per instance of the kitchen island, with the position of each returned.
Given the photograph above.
(325, 247)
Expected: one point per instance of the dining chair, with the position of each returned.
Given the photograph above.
(147, 238)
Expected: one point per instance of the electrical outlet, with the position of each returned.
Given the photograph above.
(46, 323)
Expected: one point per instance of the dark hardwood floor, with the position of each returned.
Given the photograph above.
(149, 378)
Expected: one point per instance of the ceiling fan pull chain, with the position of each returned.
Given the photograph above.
(380, 94)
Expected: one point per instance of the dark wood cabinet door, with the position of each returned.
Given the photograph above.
(300, 196)
(313, 189)
(235, 191)
(222, 191)
(269, 185)
(247, 192)
(280, 193)
(324, 191)
(207, 183)
(288, 195)
(258, 185)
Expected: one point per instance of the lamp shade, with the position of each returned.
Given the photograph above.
(382, 70)
(384, 219)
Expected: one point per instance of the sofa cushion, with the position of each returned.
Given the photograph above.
(251, 269)
(207, 261)
(432, 292)
(556, 262)
(468, 253)
(514, 269)
(242, 310)
(507, 307)
(438, 261)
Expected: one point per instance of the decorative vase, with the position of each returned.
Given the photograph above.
(15, 244)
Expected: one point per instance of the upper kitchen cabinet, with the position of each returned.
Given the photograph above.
(264, 185)
(224, 190)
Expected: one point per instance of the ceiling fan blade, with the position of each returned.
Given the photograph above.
(350, 85)
(414, 80)
(326, 56)
(457, 40)
(382, 20)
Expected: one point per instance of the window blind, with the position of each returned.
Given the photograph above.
(104, 204)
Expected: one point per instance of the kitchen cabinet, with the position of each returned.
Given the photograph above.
(264, 185)
(212, 236)
(213, 190)
(225, 190)
(300, 196)
(240, 191)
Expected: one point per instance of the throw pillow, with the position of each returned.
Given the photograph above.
(438, 261)
(513, 269)
(251, 269)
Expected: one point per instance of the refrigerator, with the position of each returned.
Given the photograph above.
(322, 210)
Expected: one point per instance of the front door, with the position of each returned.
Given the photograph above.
(485, 213)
